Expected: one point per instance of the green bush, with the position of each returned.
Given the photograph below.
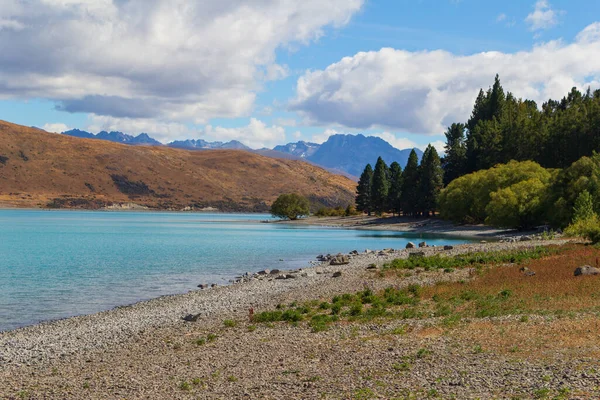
(291, 206)
(588, 228)
(509, 195)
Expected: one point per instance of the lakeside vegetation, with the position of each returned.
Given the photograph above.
(511, 165)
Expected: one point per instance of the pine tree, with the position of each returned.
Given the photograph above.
(380, 187)
(410, 185)
(431, 181)
(363, 190)
(395, 187)
(455, 161)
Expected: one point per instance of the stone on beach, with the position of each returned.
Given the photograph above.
(586, 270)
(410, 245)
(340, 259)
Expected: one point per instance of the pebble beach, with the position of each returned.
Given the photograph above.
(131, 336)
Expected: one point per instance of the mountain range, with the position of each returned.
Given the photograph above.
(347, 154)
(38, 169)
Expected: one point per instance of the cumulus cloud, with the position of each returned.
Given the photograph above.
(543, 16)
(57, 127)
(424, 92)
(256, 134)
(163, 131)
(398, 142)
(168, 60)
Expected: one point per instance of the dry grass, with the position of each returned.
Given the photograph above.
(553, 289)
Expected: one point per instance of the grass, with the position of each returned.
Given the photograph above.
(496, 290)
(469, 260)
(229, 323)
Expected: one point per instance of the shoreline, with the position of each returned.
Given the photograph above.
(412, 227)
(50, 341)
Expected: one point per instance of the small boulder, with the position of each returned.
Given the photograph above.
(274, 272)
(526, 238)
(586, 270)
(372, 266)
(340, 259)
(448, 247)
(416, 254)
(354, 252)
(263, 272)
(191, 317)
(337, 274)
(203, 286)
(214, 285)
(410, 245)
(422, 244)
(290, 276)
(527, 272)
(281, 277)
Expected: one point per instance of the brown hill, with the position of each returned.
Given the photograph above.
(40, 169)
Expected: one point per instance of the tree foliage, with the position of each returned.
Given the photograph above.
(291, 206)
(363, 190)
(508, 195)
(395, 188)
(409, 197)
(380, 187)
(504, 128)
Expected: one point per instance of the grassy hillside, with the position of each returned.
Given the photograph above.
(40, 169)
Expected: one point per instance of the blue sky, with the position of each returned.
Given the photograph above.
(269, 72)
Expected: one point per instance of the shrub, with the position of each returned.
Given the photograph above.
(291, 206)
(586, 228)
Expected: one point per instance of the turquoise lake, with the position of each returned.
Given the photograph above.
(57, 264)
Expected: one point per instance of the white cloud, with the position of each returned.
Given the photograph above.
(55, 127)
(320, 138)
(501, 17)
(256, 134)
(163, 131)
(439, 146)
(543, 16)
(424, 92)
(397, 142)
(169, 60)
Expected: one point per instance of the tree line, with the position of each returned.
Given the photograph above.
(413, 191)
(503, 128)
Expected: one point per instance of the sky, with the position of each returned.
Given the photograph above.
(269, 72)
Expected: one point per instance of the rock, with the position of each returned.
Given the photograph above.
(340, 259)
(337, 274)
(526, 238)
(203, 286)
(191, 317)
(281, 277)
(422, 244)
(355, 252)
(416, 254)
(586, 270)
(214, 285)
(274, 272)
(372, 266)
(448, 247)
(527, 272)
(410, 245)
(290, 276)
(483, 241)
(263, 272)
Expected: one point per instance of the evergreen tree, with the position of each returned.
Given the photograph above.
(363, 190)
(455, 161)
(410, 185)
(380, 187)
(395, 188)
(431, 181)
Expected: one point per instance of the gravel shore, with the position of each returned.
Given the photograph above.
(124, 339)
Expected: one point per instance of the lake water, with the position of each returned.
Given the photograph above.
(56, 264)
